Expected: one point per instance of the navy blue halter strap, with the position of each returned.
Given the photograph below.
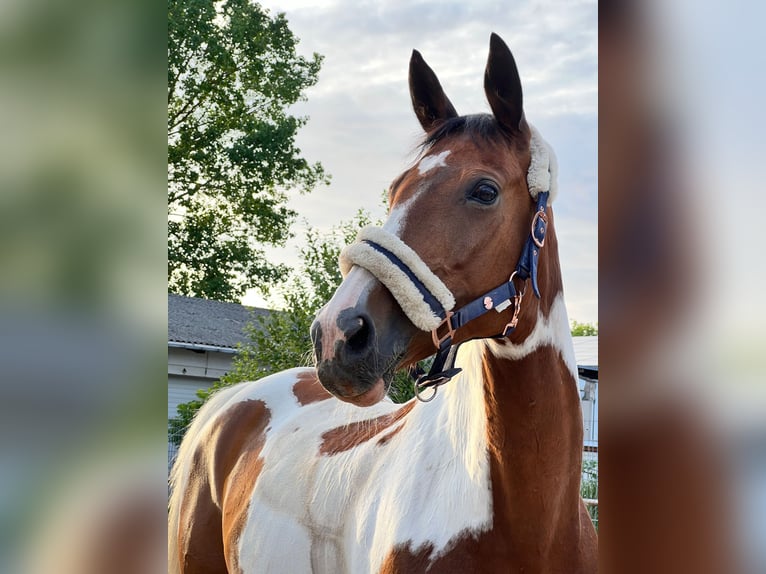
(498, 299)
(428, 297)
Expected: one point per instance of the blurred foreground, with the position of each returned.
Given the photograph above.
(683, 425)
(82, 287)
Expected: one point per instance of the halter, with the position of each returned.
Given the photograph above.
(424, 298)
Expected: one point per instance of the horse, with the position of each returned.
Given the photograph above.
(316, 470)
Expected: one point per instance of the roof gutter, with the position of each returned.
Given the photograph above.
(201, 347)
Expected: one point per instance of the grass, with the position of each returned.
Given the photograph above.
(589, 487)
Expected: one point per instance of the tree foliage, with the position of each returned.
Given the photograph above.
(583, 329)
(233, 71)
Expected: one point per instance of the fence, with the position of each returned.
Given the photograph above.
(589, 484)
(174, 439)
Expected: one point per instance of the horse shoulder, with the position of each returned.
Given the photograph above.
(218, 469)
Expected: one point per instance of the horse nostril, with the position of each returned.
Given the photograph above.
(358, 333)
(316, 339)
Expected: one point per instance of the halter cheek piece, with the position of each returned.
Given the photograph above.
(424, 298)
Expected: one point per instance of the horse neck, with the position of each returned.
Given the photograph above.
(527, 388)
(532, 402)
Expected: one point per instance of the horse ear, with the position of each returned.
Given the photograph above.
(429, 101)
(503, 86)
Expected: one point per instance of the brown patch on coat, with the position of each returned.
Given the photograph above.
(535, 449)
(200, 545)
(404, 559)
(225, 467)
(346, 437)
(308, 389)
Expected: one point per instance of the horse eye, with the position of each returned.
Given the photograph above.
(484, 193)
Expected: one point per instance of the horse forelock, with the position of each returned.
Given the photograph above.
(480, 127)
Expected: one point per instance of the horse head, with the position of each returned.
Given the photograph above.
(462, 212)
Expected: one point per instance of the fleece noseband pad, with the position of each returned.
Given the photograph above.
(423, 297)
(421, 294)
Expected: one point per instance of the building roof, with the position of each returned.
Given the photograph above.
(586, 350)
(203, 322)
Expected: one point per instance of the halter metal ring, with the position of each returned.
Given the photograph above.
(418, 390)
(510, 280)
(540, 214)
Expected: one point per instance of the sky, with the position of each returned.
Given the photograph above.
(362, 128)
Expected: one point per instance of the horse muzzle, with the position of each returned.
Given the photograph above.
(359, 338)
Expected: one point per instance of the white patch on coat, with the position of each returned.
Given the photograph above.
(433, 481)
(429, 162)
(552, 330)
(398, 215)
(356, 285)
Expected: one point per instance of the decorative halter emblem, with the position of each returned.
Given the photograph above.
(424, 298)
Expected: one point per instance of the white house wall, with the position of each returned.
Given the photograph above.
(190, 371)
(205, 364)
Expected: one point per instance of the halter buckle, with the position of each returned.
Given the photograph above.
(515, 319)
(539, 214)
(450, 331)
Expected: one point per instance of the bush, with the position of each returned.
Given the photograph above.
(583, 329)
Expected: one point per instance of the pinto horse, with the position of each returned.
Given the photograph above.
(279, 476)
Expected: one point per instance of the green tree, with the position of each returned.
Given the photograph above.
(233, 71)
(583, 329)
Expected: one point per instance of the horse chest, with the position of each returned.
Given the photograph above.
(344, 494)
